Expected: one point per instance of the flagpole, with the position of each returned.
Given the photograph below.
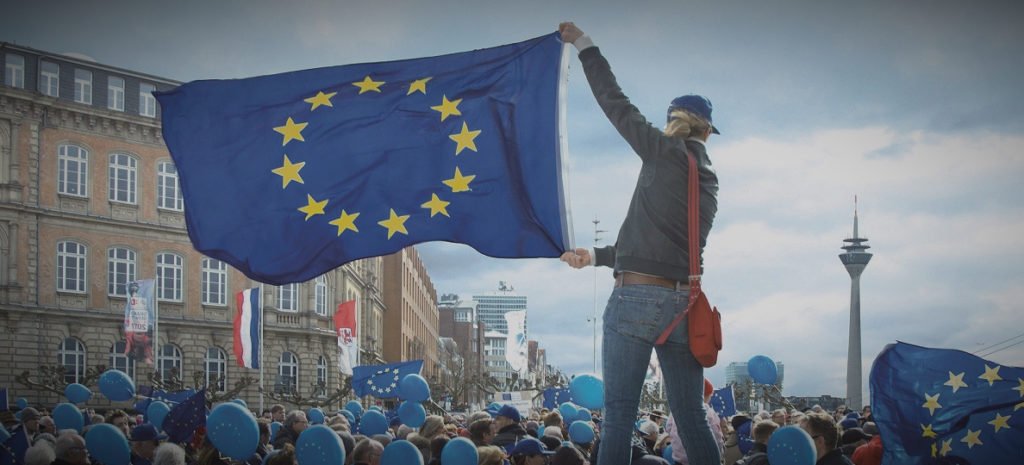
(262, 318)
(157, 348)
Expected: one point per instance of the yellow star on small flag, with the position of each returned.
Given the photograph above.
(955, 381)
(935, 450)
(931, 403)
(459, 183)
(991, 375)
(465, 139)
(291, 131)
(419, 85)
(1020, 388)
(928, 432)
(947, 447)
(367, 85)
(436, 206)
(313, 207)
(448, 108)
(289, 172)
(972, 439)
(346, 222)
(1000, 422)
(321, 99)
(394, 223)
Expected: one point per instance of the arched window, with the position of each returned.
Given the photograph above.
(123, 176)
(72, 170)
(322, 295)
(214, 282)
(169, 269)
(168, 361)
(321, 376)
(120, 361)
(120, 270)
(71, 355)
(71, 266)
(216, 369)
(287, 373)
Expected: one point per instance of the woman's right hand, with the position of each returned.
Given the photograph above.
(578, 258)
(569, 32)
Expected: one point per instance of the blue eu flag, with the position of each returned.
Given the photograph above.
(381, 381)
(288, 176)
(724, 402)
(553, 397)
(183, 419)
(937, 404)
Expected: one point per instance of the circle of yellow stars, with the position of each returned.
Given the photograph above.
(289, 171)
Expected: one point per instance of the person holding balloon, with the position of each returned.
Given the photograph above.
(144, 440)
(294, 424)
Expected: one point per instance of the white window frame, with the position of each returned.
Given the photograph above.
(83, 86)
(288, 297)
(14, 73)
(288, 369)
(121, 267)
(168, 191)
(70, 155)
(214, 282)
(321, 296)
(170, 269)
(120, 361)
(147, 102)
(72, 259)
(49, 80)
(216, 364)
(123, 176)
(321, 375)
(173, 358)
(73, 350)
(115, 93)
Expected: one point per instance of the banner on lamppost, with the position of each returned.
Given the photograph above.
(139, 320)
(515, 342)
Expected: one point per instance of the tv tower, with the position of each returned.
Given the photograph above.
(855, 259)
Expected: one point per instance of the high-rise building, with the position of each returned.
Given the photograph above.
(492, 307)
(855, 259)
(411, 318)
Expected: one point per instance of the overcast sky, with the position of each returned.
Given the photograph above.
(914, 106)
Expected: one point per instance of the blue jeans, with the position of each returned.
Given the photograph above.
(634, 318)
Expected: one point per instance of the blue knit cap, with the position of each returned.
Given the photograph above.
(695, 104)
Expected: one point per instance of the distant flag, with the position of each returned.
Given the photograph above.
(345, 325)
(942, 403)
(553, 397)
(381, 381)
(515, 341)
(184, 418)
(724, 402)
(248, 316)
(140, 320)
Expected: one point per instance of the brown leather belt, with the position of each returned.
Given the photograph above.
(627, 278)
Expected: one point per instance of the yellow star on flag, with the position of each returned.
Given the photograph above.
(289, 172)
(1018, 406)
(436, 206)
(346, 222)
(931, 403)
(1020, 388)
(419, 85)
(947, 447)
(465, 139)
(448, 108)
(395, 223)
(459, 183)
(935, 450)
(928, 432)
(991, 375)
(313, 207)
(1000, 422)
(955, 381)
(291, 131)
(972, 439)
(321, 99)
(368, 84)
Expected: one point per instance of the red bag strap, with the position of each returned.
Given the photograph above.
(693, 224)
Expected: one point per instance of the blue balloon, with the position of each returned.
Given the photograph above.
(156, 412)
(67, 416)
(319, 445)
(376, 408)
(240, 402)
(274, 427)
(581, 432)
(232, 430)
(791, 445)
(540, 430)
(762, 369)
(77, 393)
(316, 416)
(349, 416)
(107, 445)
(583, 415)
(413, 387)
(460, 451)
(22, 403)
(412, 414)
(568, 411)
(587, 391)
(116, 386)
(401, 452)
(373, 422)
(493, 406)
(667, 454)
(355, 407)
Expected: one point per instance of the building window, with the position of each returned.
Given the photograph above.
(147, 103)
(168, 362)
(115, 93)
(321, 376)
(123, 176)
(49, 79)
(215, 278)
(120, 361)
(168, 194)
(71, 356)
(216, 369)
(169, 269)
(321, 297)
(72, 170)
(14, 71)
(287, 373)
(83, 86)
(120, 270)
(287, 298)
(70, 267)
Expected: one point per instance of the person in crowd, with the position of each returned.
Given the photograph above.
(277, 413)
(294, 424)
(119, 418)
(383, 439)
(348, 441)
(283, 456)
(432, 427)
(648, 432)
(795, 417)
(714, 424)
(46, 425)
(144, 440)
(70, 449)
(367, 452)
(568, 455)
(825, 434)
(41, 453)
(481, 432)
(650, 260)
(529, 451)
(340, 423)
(553, 419)
(436, 446)
(49, 439)
(490, 455)
(267, 415)
(22, 434)
(779, 417)
(421, 443)
(870, 453)
(403, 432)
(263, 445)
(658, 417)
(851, 439)
(509, 429)
(733, 451)
(480, 415)
(169, 454)
(758, 454)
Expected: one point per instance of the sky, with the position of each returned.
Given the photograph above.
(915, 107)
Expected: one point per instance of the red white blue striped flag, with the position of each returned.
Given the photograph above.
(247, 328)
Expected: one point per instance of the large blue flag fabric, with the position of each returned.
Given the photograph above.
(290, 175)
(381, 381)
(936, 404)
(724, 402)
(553, 397)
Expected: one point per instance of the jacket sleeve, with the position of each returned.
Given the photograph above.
(645, 139)
(604, 256)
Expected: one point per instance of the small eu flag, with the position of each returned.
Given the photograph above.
(381, 381)
(288, 176)
(724, 402)
(185, 418)
(937, 404)
(553, 397)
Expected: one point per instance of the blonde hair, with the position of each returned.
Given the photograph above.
(490, 455)
(685, 124)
